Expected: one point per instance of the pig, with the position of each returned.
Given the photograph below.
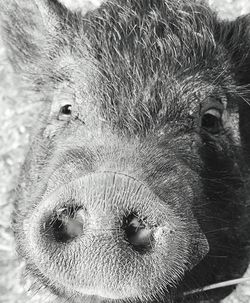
(135, 187)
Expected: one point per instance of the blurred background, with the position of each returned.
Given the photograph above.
(17, 114)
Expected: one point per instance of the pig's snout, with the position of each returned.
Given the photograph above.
(109, 235)
(68, 223)
(65, 224)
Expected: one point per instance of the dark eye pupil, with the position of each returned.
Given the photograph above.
(210, 122)
(66, 109)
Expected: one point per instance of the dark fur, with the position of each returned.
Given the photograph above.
(145, 63)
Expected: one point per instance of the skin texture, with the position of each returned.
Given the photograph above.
(141, 78)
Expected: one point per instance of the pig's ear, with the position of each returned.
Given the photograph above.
(237, 42)
(28, 28)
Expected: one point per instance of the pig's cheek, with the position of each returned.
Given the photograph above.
(54, 128)
(49, 132)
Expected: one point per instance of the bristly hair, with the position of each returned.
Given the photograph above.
(154, 57)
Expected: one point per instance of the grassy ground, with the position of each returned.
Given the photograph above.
(17, 116)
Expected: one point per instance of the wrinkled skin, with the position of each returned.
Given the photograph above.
(143, 124)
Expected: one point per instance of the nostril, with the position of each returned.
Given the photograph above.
(64, 224)
(138, 233)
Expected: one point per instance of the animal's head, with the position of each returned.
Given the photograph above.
(135, 183)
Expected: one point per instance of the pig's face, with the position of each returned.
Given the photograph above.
(134, 180)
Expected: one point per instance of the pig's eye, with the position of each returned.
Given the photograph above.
(211, 120)
(65, 112)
